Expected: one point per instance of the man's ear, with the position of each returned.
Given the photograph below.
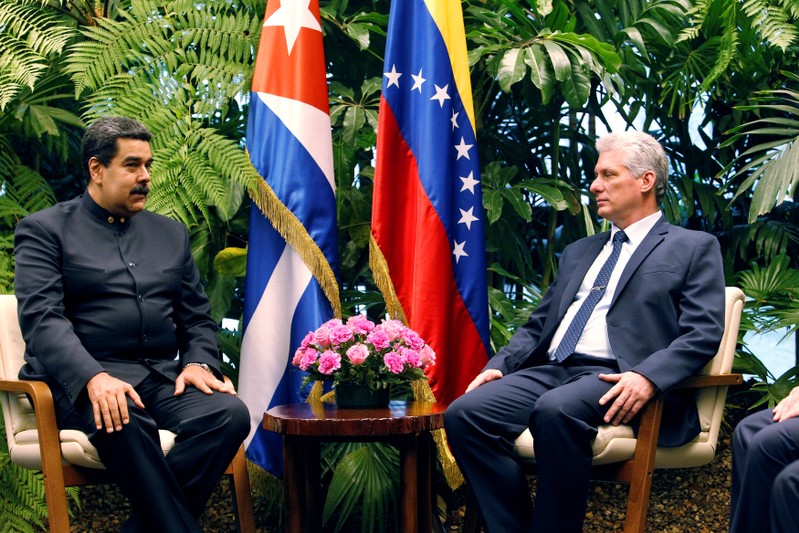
(647, 181)
(96, 171)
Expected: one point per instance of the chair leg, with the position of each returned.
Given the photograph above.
(56, 496)
(242, 497)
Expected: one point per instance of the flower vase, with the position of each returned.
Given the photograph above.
(355, 396)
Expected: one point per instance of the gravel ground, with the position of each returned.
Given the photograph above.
(695, 500)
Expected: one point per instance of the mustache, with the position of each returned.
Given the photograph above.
(140, 189)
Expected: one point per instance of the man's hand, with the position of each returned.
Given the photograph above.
(108, 396)
(631, 391)
(484, 377)
(788, 406)
(202, 379)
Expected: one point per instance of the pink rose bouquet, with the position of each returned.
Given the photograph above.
(359, 352)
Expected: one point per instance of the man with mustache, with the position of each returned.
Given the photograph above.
(116, 321)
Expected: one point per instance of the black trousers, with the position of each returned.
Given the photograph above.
(560, 405)
(166, 493)
(765, 475)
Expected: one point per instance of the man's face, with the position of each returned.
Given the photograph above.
(121, 188)
(620, 196)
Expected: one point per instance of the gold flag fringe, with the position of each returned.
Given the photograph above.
(382, 277)
(423, 393)
(291, 229)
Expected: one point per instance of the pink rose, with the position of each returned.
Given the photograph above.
(322, 336)
(357, 353)
(360, 324)
(394, 362)
(340, 334)
(379, 339)
(392, 328)
(427, 356)
(329, 362)
(412, 339)
(333, 322)
(308, 358)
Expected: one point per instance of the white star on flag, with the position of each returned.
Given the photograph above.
(467, 217)
(469, 182)
(454, 120)
(441, 94)
(463, 149)
(418, 80)
(459, 252)
(293, 15)
(393, 77)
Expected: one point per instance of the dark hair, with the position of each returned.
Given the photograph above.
(100, 139)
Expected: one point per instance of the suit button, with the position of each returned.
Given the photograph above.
(141, 297)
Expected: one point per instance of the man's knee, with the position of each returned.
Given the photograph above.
(235, 415)
(455, 417)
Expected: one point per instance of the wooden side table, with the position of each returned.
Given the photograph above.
(407, 425)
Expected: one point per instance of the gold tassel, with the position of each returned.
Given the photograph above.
(291, 229)
(382, 277)
(423, 393)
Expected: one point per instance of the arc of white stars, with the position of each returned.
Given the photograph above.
(468, 182)
(418, 80)
(463, 149)
(393, 77)
(467, 217)
(458, 251)
(454, 120)
(441, 94)
(293, 15)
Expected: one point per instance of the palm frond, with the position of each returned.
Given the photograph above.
(772, 165)
(365, 477)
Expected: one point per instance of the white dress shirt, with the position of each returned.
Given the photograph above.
(594, 339)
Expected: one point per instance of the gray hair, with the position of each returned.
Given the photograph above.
(640, 153)
(100, 139)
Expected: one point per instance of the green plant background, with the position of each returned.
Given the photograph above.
(547, 75)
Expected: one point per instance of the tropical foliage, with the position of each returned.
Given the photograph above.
(711, 79)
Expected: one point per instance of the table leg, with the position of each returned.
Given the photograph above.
(293, 482)
(313, 485)
(425, 479)
(409, 483)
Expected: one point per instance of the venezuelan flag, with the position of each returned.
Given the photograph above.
(428, 241)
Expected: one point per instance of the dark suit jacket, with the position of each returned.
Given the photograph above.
(98, 293)
(665, 321)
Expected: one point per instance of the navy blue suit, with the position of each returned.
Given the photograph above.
(765, 475)
(665, 322)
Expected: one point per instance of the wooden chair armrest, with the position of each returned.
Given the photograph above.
(716, 380)
(49, 442)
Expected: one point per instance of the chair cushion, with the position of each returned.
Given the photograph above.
(606, 435)
(75, 448)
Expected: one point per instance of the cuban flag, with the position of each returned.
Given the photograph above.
(428, 244)
(292, 256)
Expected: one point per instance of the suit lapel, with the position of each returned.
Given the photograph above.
(650, 242)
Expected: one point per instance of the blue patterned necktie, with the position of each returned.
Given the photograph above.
(575, 329)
